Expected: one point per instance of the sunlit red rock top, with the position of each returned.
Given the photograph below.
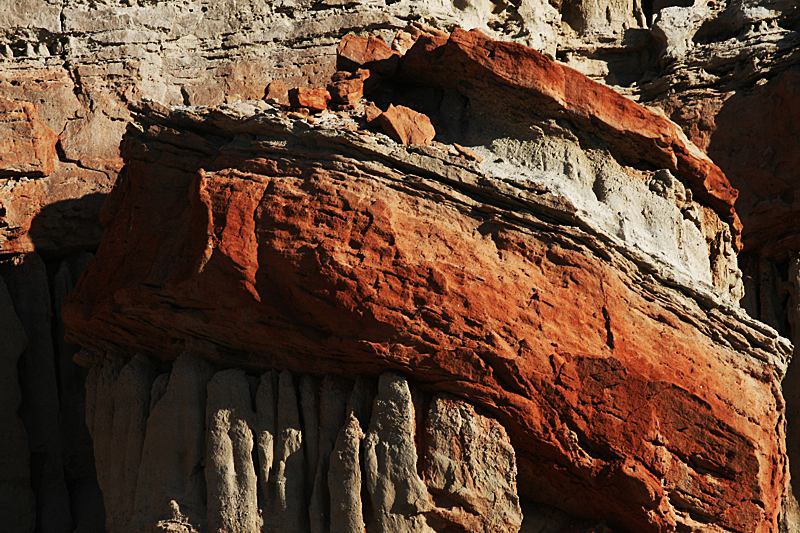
(487, 70)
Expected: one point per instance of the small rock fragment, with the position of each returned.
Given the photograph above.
(347, 88)
(371, 115)
(276, 93)
(468, 153)
(403, 40)
(371, 52)
(407, 126)
(315, 100)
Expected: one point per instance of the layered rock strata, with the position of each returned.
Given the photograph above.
(320, 243)
(723, 71)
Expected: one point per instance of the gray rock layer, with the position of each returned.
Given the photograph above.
(195, 450)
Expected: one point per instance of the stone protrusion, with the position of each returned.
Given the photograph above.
(370, 53)
(398, 495)
(231, 481)
(131, 407)
(266, 432)
(333, 396)
(174, 448)
(470, 467)
(344, 480)
(289, 464)
(27, 145)
(315, 100)
(407, 126)
(347, 88)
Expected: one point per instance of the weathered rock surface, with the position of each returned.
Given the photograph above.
(470, 464)
(173, 450)
(27, 145)
(398, 495)
(362, 275)
(233, 472)
(406, 126)
(231, 482)
(345, 481)
(724, 71)
(534, 85)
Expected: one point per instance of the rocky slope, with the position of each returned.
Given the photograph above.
(560, 259)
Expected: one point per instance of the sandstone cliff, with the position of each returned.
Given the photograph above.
(452, 281)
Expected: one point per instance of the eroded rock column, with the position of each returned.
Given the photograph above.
(231, 479)
(398, 495)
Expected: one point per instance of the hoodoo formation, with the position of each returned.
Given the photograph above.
(365, 267)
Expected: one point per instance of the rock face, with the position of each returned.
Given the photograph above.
(28, 146)
(399, 499)
(547, 269)
(460, 443)
(335, 247)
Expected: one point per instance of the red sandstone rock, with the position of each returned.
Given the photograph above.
(407, 126)
(370, 52)
(371, 115)
(637, 412)
(27, 145)
(346, 87)
(59, 212)
(277, 92)
(527, 81)
(315, 100)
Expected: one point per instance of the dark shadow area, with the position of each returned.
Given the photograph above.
(65, 235)
(69, 226)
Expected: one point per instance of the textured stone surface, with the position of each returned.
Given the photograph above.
(344, 480)
(516, 76)
(174, 449)
(333, 395)
(131, 405)
(723, 71)
(231, 481)
(315, 100)
(469, 461)
(336, 232)
(406, 126)
(398, 495)
(27, 145)
(384, 488)
(290, 512)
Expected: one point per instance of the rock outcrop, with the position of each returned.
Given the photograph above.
(321, 243)
(542, 271)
